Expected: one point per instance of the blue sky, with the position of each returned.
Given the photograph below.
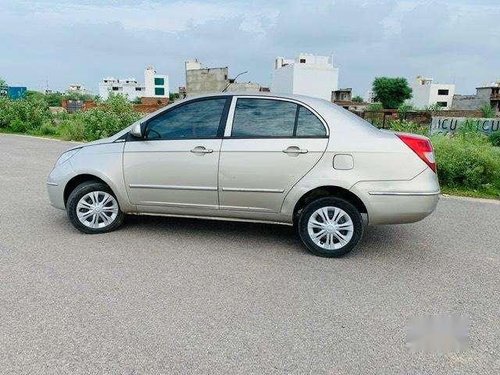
(64, 41)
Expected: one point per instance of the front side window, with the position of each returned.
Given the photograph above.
(263, 118)
(195, 120)
(159, 91)
(159, 81)
(308, 125)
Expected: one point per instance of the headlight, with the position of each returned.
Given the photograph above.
(66, 156)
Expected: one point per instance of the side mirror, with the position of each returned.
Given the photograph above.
(136, 131)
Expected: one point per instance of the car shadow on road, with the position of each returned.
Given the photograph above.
(250, 230)
(380, 241)
(377, 241)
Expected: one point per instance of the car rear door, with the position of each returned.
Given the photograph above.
(176, 164)
(269, 145)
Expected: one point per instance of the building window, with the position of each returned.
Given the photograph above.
(443, 92)
(159, 91)
(115, 88)
(442, 104)
(302, 61)
(159, 81)
(137, 89)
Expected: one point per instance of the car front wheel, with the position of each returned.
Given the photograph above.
(330, 227)
(92, 208)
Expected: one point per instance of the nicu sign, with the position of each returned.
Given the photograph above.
(445, 125)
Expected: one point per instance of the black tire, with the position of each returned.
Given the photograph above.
(75, 196)
(348, 208)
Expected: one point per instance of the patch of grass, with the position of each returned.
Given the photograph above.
(491, 193)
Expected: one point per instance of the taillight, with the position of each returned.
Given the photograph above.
(422, 146)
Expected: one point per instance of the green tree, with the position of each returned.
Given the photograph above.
(391, 92)
(2, 82)
(357, 99)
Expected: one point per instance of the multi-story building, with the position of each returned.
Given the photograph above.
(426, 93)
(156, 86)
(308, 74)
(488, 94)
(200, 80)
(128, 87)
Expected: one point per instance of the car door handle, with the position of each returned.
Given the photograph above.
(295, 150)
(201, 150)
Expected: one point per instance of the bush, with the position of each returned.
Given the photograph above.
(32, 116)
(407, 127)
(487, 111)
(375, 107)
(24, 115)
(495, 138)
(101, 122)
(404, 108)
(47, 129)
(467, 160)
(71, 130)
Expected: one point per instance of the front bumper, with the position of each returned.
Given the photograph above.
(56, 182)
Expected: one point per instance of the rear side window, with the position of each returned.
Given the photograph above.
(194, 120)
(263, 118)
(269, 118)
(308, 125)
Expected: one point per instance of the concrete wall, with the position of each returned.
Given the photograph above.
(468, 102)
(244, 87)
(201, 81)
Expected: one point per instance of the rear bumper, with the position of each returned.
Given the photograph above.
(399, 202)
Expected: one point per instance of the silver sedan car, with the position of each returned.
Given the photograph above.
(280, 159)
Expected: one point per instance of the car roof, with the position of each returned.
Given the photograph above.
(301, 98)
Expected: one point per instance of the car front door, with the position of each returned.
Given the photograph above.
(176, 164)
(269, 145)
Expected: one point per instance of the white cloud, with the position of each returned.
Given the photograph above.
(84, 40)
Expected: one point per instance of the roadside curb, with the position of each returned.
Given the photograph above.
(471, 199)
(38, 137)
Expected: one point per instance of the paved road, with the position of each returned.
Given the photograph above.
(192, 296)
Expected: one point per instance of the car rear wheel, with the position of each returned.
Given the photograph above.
(330, 227)
(92, 208)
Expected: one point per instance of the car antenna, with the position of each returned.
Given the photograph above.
(234, 80)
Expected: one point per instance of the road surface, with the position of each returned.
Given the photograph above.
(165, 295)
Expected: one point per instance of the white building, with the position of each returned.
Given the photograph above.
(426, 93)
(77, 88)
(156, 86)
(306, 75)
(128, 87)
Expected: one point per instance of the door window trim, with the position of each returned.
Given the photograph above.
(220, 129)
(230, 118)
